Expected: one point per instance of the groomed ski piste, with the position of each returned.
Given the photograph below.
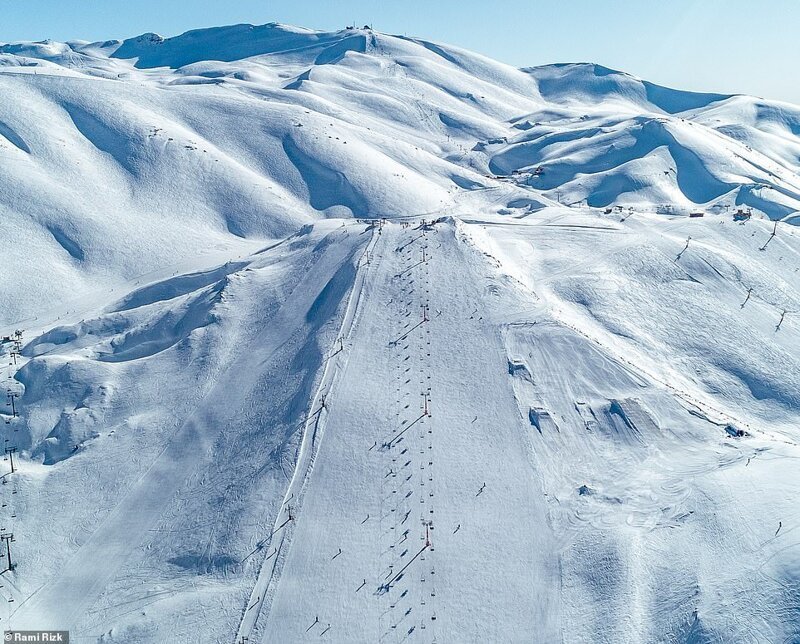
(474, 415)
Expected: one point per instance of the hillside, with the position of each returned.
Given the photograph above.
(121, 158)
(356, 337)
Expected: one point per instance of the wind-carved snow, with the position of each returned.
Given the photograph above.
(249, 131)
(311, 351)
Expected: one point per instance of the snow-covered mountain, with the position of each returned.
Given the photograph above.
(359, 337)
(118, 157)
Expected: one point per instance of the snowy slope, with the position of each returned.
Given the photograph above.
(595, 399)
(311, 352)
(121, 157)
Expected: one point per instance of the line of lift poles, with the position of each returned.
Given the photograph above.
(6, 536)
(244, 639)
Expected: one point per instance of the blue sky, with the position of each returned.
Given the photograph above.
(712, 45)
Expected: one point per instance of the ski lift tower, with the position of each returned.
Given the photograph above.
(7, 538)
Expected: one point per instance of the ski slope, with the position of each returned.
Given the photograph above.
(312, 352)
(397, 487)
(414, 520)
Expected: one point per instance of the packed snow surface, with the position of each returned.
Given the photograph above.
(352, 337)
